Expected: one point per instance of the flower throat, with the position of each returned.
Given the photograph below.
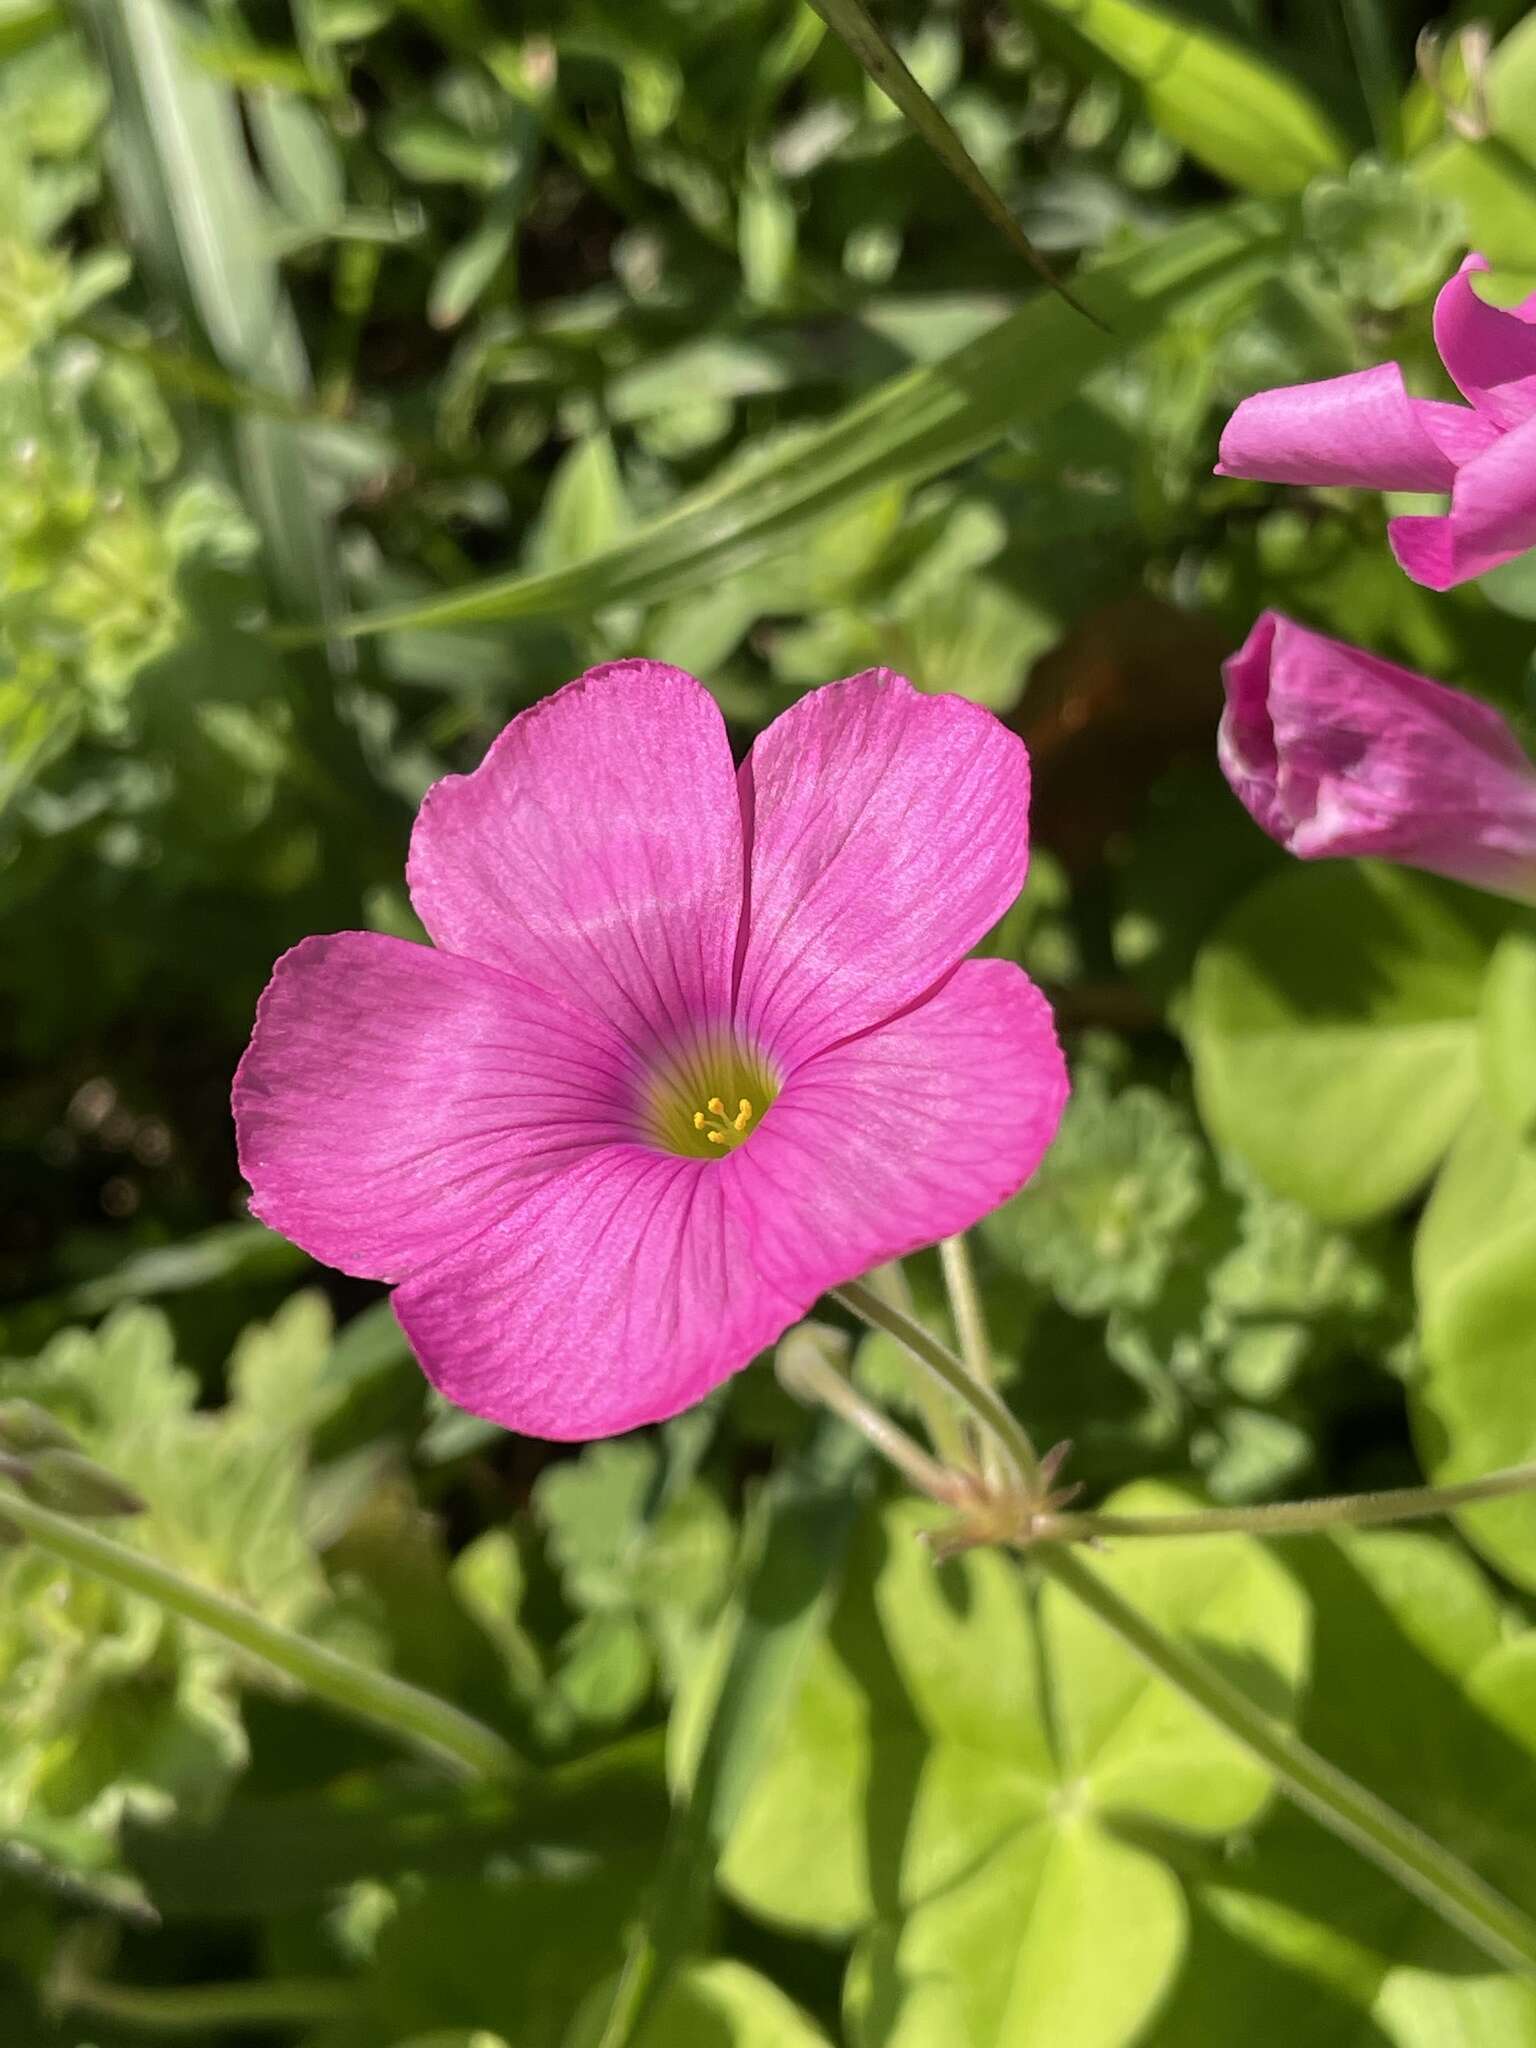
(709, 1099)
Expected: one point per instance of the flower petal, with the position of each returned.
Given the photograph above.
(1362, 430)
(596, 851)
(1490, 352)
(889, 831)
(1492, 517)
(613, 1296)
(1337, 753)
(626, 1287)
(905, 1135)
(392, 1098)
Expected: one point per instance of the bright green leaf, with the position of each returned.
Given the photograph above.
(1244, 118)
(1475, 1268)
(1333, 1028)
(1509, 1031)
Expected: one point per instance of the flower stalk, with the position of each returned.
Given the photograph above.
(808, 1367)
(990, 1412)
(419, 1719)
(1441, 1881)
(1297, 1517)
(1025, 1516)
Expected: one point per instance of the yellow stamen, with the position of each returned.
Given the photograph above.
(719, 1126)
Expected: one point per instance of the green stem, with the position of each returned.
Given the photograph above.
(942, 1419)
(965, 1304)
(404, 1711)
(1416, 1862)
(970, 1327)
(282, 2002)
(805, 1367)
(983, 1403)
(1298, 1517)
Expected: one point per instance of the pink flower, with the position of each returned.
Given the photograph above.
(1365, 429)
(690, 1046)
(1337, 752)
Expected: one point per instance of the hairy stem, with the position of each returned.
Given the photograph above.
(993, 1413)
(198, 2008)
(942, 1418)
(970, 1327)
(1297, 1517)
(806, 1369)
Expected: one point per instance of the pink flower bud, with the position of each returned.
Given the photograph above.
(1337, 753)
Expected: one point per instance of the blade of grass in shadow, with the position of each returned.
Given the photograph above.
(1371, 46)
(911, 427)
(784, 1604)
(851, 21)
(193, 208)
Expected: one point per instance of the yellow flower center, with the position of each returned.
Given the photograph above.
(719, 1126)
(709, 1098)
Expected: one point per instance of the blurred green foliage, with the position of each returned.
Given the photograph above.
(366, 370)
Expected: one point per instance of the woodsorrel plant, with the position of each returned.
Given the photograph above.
(694, 1047)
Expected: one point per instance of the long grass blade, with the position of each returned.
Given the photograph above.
(852, 21)
(912, 427)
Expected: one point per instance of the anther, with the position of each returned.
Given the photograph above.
(716, 1106)
(698, 1119)
(717, 1137)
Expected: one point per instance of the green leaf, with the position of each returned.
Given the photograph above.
(113, 1707)
(1243, 118)
(292, 1853)
(1139, 1751)
(467, 272)
(914, 426)
(765, 237)
(586, 508)
(1417, 1692)
(719, 1739)
(512, 1951)
(187, 187)
(1064, 1935)
(723, 2004)
(299, 157)
(1492, 181)
(1475, 1270)
(1333, 1025)
(918, 1748)
(1509, 1031)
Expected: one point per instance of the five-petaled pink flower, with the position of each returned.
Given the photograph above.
(689, 1047)
(1337, 752)
(1364, 429)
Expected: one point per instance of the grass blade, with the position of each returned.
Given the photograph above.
(911, 427)
(856, 26)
